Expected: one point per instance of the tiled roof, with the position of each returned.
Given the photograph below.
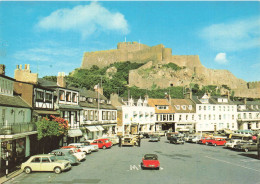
(186, 102)
(160, 102)
(13, 101)
(91, 94)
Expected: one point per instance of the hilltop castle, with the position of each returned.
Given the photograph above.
(153, 72)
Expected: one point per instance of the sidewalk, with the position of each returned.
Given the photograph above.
(11, 175)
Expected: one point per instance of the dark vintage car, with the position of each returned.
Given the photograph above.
(176, 140)
(64, 154)
(154, 138)
(150, 161)
(246, 146)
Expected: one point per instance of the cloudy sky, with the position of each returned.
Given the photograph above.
(52, 36)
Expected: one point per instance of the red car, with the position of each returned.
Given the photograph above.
(205, 140)
(102, 143)
(218, 142)
(150, 161)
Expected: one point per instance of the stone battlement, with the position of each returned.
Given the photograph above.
(253, 85)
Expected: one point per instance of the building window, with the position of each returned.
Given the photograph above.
(187, 117)
(227, 108)
(192, 117)
(199, 116)
(170, 117)
(209, 107)
(214, 108)
(224, 108)
(68, 96)
(177, 107)
(205, 117)
(114, 115)
(62, 95)
(190, 107)
(233, 117)
(200, 108)
(214, 117)
(244, 115)
(250, 115)
(126, 115)
(48, 97)
(219, 108)
(74, 97)
(205, 107)
(86, 115)
(179, 117)
(39, 95)
(209, 117)
(165, 118)
(219, 117)
(184, 107)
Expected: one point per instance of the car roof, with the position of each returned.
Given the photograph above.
(60, 150)
(42, 155)
(150, 155)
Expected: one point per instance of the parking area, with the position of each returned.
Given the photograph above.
(188, 163)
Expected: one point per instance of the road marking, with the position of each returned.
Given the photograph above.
(233, 164)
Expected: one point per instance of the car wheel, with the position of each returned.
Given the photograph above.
(215, 144)
(246, 150)
(158, 168)
(27, 170)
(57, 170)
(206, 143)
(104, 147)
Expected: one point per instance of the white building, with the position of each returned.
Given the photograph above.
(248, 115)
(215, 113)
(184, 115)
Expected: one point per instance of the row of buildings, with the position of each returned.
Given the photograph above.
(26, 98)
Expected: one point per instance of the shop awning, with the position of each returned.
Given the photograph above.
(100, 128)
(42, 112)
(74, 133)
(92, 128)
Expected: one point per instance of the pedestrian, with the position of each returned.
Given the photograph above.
(139, 140)
(120, 141)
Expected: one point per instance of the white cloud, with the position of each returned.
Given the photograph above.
(85, 19)
(221, 58)
(233, 36)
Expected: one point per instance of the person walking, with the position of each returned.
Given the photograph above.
(139, 140)
(120, 141)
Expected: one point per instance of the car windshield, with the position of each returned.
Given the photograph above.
(53, 159)
(150, 157)
(94, 141)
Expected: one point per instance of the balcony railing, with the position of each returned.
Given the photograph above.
(10, 129)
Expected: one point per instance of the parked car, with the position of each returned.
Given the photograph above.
(196, 139)
(231, 143)
(129, 141)
(88, 144)
(150, 161)
(171, 134)
(146, 134)
(45, 162)
(102, 143)
(246, 146)
(161, 133)
(176, 140)
(205, 140)
(64, 154)
(85, 149)
(154, 138)
(76, 152)
(114, 140)
(217, 142)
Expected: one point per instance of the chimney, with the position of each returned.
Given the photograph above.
(25, 74)
(2, 69)
(98, 89)
(61, 80)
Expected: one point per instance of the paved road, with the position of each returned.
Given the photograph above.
(188, 163)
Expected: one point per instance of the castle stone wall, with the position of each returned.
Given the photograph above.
(252, 85)
(131, 46)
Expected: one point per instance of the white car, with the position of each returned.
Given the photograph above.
(93, 147)
(79, 154)
(86, 149)
(196, 139)
(232, 143)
